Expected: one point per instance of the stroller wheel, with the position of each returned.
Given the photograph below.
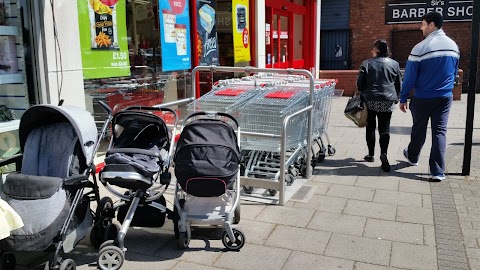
(176, 218)
(103, 214)
(236, 214)
(272, 192)
(8, 261)
(110, 258)
(183, 240)
(247, 189)
(68, 264)
(320, 157)
(235, 244)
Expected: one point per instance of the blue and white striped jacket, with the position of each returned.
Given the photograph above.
(431, 67)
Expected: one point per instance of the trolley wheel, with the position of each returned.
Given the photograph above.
(235, 244)
(289, 179)
(236, 214)
(183, 240)
(272, 192)
(68, 264)
(8, 261)
(110, 258)
(320, 157)
(247, 189)
(331, 150)
(176, 218)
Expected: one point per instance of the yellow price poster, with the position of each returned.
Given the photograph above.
(241, 33)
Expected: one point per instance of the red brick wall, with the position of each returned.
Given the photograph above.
(367, 21)
(348, 78)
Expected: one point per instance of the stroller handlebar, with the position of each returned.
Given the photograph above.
(134, 151)
(105, 107)
(210, 113)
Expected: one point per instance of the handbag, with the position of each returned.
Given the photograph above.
(356, 110)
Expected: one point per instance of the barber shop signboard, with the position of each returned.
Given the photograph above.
(411, 11)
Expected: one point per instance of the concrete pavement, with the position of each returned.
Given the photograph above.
(354, 216)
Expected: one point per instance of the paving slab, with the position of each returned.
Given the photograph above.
(378, 183)
(300, 260)
(339, 223)
(256, 232)
(414, 215)
(351, 192)
(324, 203)
(286, 216)
(366, 266)
(413, 256)
(398, 198)
(370, 209)
(336, 179)
(395, 231)
(361, 249)
(413, 186)
(254, 257)
(299, 239)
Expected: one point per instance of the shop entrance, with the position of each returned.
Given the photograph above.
(287, 36)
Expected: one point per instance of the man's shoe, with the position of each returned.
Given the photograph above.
(438, 178)
(385, 164)
(405, 154)
(368, 158)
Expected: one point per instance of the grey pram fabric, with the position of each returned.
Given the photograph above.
(147, 165)
(48, 150)
(37, 194)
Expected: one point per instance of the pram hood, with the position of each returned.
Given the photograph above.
(81, 120)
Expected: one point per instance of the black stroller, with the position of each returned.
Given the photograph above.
(58, 144)
(207, 161)
(138, 160)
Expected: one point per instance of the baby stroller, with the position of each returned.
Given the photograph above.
(58, 144)
(207, 161)
(138, 156)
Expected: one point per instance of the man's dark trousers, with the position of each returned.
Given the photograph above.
(436, 109)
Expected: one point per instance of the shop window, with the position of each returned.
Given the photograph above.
(14, 97)
(145, 83)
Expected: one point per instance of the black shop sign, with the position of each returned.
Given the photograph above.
(411, 11)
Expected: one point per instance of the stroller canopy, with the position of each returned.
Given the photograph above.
(43, 115)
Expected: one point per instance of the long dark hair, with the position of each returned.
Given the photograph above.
(382, 47)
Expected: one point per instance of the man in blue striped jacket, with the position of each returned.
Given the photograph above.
(431, 70)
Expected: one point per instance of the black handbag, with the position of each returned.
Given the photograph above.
(356, 110)
(354, 104)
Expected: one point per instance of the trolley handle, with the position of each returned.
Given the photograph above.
(209, 113)
(105, 107)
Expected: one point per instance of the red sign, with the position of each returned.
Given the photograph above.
(245, 37)
(177, 6)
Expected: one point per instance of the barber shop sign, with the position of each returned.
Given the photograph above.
(411, 11)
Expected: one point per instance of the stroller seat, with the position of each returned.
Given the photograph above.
(126, 176)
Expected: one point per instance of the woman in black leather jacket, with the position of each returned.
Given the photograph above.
(379, 81)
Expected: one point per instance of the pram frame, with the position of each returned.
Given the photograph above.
(117, 246)
(279, 185)
(184, 222)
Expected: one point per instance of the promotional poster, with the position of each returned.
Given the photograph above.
(175, 34)
(103, 38)
(207, 33)
(241, 33)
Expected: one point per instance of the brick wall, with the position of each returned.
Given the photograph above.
(347, 80)
(367, 21)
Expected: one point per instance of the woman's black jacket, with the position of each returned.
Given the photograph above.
(379, 78)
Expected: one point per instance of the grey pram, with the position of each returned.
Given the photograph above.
(58, 144)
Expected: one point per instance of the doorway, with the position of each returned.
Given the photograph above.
(285, 42)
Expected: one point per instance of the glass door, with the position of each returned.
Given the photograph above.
(277, 38)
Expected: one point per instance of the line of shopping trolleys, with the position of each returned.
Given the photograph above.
(261, 103)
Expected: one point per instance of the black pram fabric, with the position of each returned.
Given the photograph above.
(147, 165)
(207, 158)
